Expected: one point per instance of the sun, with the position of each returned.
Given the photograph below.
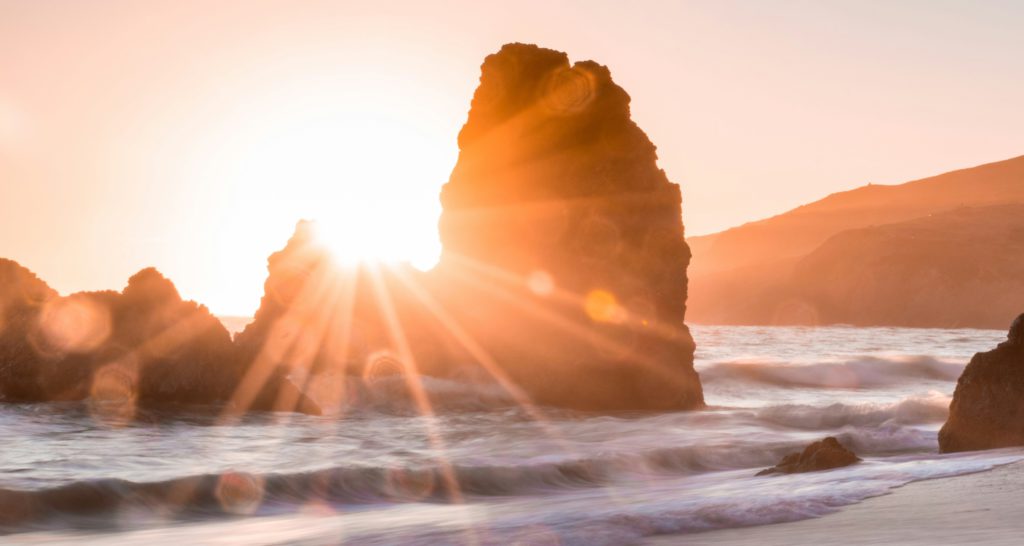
(374, 234)
(367, 169)
(369, 183)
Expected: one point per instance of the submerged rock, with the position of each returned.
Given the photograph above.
(824, 454)
(987, 410)
(563, 248)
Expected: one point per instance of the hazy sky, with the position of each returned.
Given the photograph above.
(191, 135)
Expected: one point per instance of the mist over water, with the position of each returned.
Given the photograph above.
(369, 473)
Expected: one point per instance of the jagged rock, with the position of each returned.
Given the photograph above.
(141, 348)
(22, 296)
(987, 410)
(179, 352)
(563, 249)
(183, 353)
(320, 318)
(824, 454)
(290, 328)
(1016, 333)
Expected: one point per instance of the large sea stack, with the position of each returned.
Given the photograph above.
(987, 410)
(563, 249)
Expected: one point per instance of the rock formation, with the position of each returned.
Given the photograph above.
(321, 319)
(824, 454)
(563, 272)
(141, 348)
(987, 410)
(563, 250)
(22, 296)
(563, 277)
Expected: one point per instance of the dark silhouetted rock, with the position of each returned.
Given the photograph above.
(293, 327)
(184, 354)
(141, 348)
(321, 322)
(987, 410)
(22, 296)
(1016, 334)
(179, 352)
(563, 250)
(821, 455)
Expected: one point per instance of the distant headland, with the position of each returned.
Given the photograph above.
(945, 251)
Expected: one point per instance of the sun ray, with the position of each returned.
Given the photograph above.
(414, 381)
(479, 353)
(561, 322)
(630, 320)
(309, 299)
(491, 366)
(300, 356)
(337, 348)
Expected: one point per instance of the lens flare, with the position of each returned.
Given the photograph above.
(74, 324)
(569, 91)
(540, 283)
(239, 492)
(113, 394)
(602, 306)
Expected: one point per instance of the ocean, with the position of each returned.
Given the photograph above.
(375, 471)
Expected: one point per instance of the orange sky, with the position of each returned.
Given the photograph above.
(192, 135)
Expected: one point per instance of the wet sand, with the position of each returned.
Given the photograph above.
(982, 508)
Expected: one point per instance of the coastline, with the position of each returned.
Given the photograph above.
(979, 508)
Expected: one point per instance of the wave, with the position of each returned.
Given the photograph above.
(680, 507)
(89, 503)
(745, 504)
(588, 518)
(916, 409)
(858, 372)
(81, 503)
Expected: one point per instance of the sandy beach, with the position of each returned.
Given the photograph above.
(980, 508)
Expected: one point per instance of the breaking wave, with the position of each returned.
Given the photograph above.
(740, 500)
(243, 493)
(87, 502)
(860, 372)
(917, 409)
